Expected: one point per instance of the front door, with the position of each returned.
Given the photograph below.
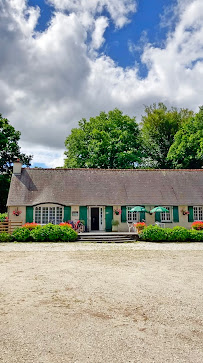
(94, 219)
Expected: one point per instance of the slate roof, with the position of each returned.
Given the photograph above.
(106, 187)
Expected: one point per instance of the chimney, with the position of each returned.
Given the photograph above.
(17, 166)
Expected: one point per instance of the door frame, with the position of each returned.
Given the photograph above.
(101, 217)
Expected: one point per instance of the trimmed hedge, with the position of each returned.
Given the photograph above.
(5, 237)
(47, 233)
(176, 234)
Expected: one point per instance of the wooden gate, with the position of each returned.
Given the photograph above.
(9, 226)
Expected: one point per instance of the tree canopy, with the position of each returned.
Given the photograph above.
(9, 151)
(187, 149)
(159, 126)
(111, 140)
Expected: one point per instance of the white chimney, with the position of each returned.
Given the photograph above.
(17, 166)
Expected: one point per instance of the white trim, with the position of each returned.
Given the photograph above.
(166, 217)
(50, 218)
(101, 217)
(133, 214)
(198, 212)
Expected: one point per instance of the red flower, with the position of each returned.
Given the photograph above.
(198, 225)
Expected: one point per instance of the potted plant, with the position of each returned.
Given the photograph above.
(140, 226)
(117, 212)
(115, 224)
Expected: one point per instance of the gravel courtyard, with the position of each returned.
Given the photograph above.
(95, 303)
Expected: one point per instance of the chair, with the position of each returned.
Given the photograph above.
(131, 227)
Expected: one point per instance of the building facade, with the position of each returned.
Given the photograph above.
(98, 196)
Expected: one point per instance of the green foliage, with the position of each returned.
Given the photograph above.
(177, 234)
(3, 217)
(115, 222)
(187, 149)
(5, 237)
(53, 233)
(158, 234)
(9, 148)
(153, 234)
(159, 127)
(106, 141)
(4, 188)
(9, 151)
(196, 236)
(21, 234)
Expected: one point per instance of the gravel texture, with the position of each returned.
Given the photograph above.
(112, 303)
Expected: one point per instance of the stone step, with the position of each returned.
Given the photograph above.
(108, 241)
(104, 237)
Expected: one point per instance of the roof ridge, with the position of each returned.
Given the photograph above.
(100, 169)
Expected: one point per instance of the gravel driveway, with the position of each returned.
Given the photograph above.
(77, 302)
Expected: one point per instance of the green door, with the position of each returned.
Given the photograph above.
(29, 214)
(83, 215)
(109, 217)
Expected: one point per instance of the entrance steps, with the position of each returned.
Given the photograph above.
(108, 237)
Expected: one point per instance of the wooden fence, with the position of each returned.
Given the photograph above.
(9, 226)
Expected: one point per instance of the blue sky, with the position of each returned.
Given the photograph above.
(146, 21)
(65, 60)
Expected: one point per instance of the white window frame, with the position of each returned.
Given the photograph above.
(198, 212)
(166, 217)
(132, 217)
(52, 209)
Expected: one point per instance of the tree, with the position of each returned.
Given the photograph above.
(187, 149)
(9, 151)
(159, 127)
(110, 140)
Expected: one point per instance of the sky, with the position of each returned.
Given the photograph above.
(64, 60)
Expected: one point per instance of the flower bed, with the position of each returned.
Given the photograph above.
(198, 225)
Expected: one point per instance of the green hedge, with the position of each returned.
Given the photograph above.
(3, 217)
(5, 237)
(47, 233)
(176, 234)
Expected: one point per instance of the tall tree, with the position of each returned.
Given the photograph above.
(9, 150)
(110, 140)
(187, 149)
(159, 127)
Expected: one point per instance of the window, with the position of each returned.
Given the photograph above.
(131, 216)
(52, 214)
(166, 216)
(198, 213)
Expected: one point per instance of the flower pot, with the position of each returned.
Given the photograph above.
(114, 228)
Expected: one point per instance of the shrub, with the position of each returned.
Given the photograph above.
(157, 234)
(5, 237)
(198, 225)
(153, 234)
(195, 236)
(177, 234)
(3, 217)
(21, 234)
(53, 233)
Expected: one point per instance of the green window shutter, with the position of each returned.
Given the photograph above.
(190, 216)
(157, 216)
(142, 215)
(67, 213)
(83, 215)
(29, 214)
(175, 214)
(123, 214)
(109, 217)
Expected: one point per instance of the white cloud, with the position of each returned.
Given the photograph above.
(50, 80)
(98, 34)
